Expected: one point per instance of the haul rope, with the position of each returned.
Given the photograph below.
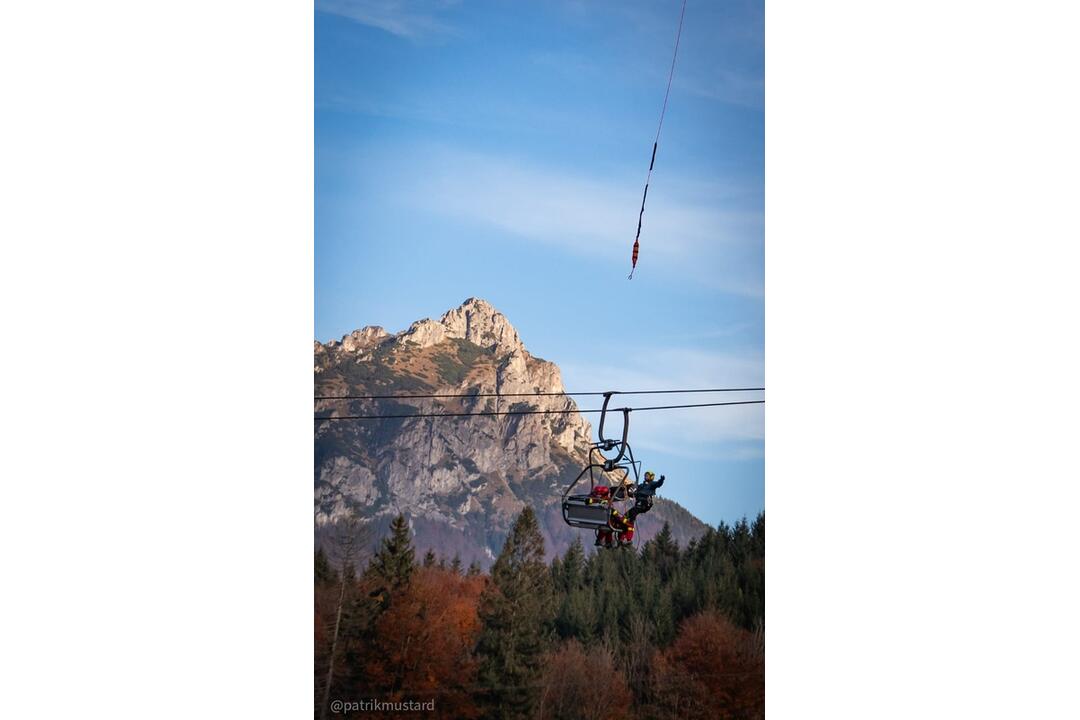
(656, 142)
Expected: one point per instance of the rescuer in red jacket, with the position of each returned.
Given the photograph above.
(620, 529)
(601, 494)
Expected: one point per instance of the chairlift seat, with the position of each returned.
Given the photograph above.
(579, 512)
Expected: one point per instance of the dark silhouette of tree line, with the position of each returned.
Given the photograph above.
(663, 632)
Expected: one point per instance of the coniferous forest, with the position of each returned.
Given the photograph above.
(658, 631)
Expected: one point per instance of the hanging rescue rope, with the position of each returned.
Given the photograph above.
(656, 142)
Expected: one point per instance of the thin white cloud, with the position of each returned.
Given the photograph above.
(716, 57)
(686, 224)
(732, 330)
(729, 86)
(731, 432)
(715, 452)
(408, 19)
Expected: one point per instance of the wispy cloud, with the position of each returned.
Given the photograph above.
(718, 52)
(686, 224)
(732, 330)
(412, 19)
(733, 87)
(732, 432)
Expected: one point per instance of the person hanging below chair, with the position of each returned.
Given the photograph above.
(624, 528)
(619, 533)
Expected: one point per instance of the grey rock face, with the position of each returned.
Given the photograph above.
(363, 339)
(481, 324)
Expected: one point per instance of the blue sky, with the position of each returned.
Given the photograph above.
(499, 150)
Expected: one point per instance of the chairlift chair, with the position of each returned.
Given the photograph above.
(583, 510)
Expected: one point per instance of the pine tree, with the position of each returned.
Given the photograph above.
(667, 552)
(573, 565)
(663, 617)
(517, 611)
(474, 569)
(575, 617)
(394, 562)
(429, 558)
(324, 572)
(455, 565)
(664, 542)
(757, 531)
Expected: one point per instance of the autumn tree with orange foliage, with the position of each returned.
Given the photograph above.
(422, 644)
(408, 632)
(580, 684)
(714, 669)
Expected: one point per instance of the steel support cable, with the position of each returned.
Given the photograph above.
(491, 413)
(534, 394)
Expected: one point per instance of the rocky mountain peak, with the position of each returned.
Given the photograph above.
(480, 323)
(475, 320)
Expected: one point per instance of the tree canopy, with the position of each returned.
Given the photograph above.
(662, 631)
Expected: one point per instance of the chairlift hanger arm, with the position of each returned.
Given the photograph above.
(603, 416)
(622, 444)
(609, 443)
